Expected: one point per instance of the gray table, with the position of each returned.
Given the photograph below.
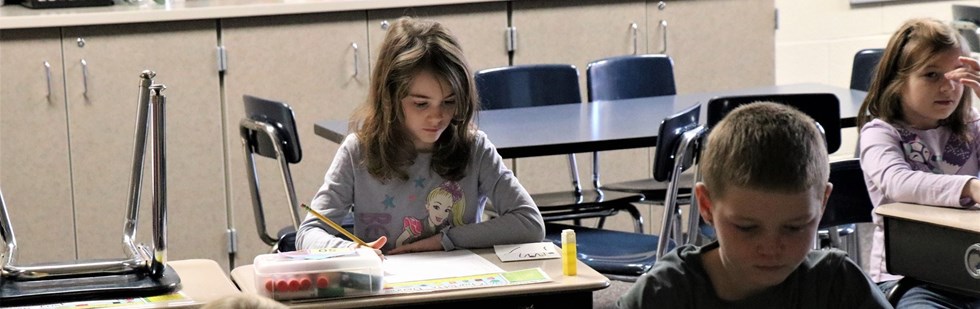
(602, 125)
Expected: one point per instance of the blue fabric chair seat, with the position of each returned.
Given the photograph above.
(613, 253)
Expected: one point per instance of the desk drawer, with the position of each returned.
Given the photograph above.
(931, 253)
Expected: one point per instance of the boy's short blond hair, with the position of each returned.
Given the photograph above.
(765, 146)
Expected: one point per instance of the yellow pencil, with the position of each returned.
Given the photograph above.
(335, 226)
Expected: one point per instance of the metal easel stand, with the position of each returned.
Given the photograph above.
(143, 272)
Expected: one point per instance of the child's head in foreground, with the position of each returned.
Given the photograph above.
(765, 171)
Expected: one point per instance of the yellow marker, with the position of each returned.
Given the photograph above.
(335, 226)
(569, 252)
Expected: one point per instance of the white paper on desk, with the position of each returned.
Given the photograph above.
(528, 251)
(436, 264)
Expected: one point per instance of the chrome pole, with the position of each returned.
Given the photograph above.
(159, 172)
(136, 179)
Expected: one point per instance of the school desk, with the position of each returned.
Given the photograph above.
(201, 281)
(939, 245)
(602, 125)
(560, 292)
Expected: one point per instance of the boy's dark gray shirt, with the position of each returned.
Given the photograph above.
(825, 279)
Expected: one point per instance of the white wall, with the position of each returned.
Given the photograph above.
(817, 39)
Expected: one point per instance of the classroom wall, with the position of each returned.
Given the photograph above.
(816, 40)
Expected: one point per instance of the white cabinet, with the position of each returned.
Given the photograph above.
(716, 44)
(34, 160)
(86, 127)
(480, 28)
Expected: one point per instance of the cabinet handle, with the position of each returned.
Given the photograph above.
(633, 28)
(663, 28)
(354, 45)
(47, 77)
(84, 78)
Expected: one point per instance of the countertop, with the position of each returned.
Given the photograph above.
(16, 16)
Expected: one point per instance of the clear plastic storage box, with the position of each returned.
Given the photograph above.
(319, 273)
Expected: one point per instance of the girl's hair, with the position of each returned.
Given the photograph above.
(909, 49)
(411, 46)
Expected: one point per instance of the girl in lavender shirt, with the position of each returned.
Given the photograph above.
(919, 137)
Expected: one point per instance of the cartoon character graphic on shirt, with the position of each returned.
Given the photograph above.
(445, 206)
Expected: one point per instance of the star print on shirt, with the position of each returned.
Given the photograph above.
(389, 201)
(420, 182)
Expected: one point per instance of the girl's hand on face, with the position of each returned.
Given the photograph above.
(432, 243)
(968, 74)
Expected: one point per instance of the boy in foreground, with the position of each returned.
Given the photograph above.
(765, 206)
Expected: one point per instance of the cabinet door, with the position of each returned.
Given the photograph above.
(480, 29)
(34, 166)
(102, 97)
(578, 32)
(716, 44)
(309, 62)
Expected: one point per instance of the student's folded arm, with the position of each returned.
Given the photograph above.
(518, 218)
(883, 162)
(333, 200)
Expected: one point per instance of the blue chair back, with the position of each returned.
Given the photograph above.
(632, 76)
(528, 85)
(668, 137)
(863, 69)
(849, 202)
(280, 116)
(822, 107)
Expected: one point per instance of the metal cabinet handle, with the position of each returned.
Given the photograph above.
(663, 28)
(47, 77)
(84, 77)
(354, 45)
(634, 29)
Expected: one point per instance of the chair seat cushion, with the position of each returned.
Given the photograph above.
(652, 189)
(610, 252)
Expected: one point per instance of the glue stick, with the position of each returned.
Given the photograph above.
(568, 252)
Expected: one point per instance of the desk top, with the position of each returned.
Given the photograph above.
(962, 219)
(586, 280)
(203, 280)
(603, 125)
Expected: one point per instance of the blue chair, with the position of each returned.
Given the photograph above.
(627, 77)
(269, 130)
(824, 108)
(849, 203)
(625, 256)
(678, 146)
(863, 69)
(636, 76)
(551, 84)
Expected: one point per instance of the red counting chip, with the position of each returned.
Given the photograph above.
(293, 285)
(322, 282)
(305, 283)
(282, 285)
(270, 285)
